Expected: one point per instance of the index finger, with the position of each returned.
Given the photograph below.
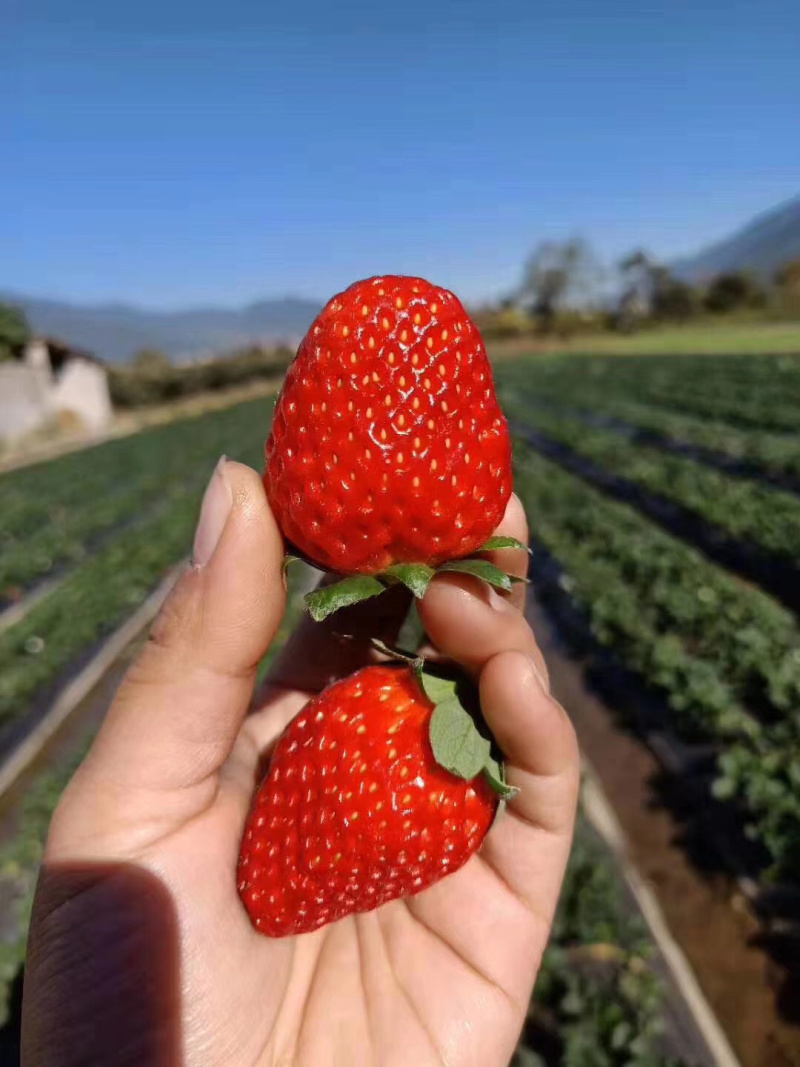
(513, 561)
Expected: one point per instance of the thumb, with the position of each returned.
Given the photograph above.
(178, 711)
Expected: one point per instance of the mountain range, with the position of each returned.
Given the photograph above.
(115, 332)
(759, 247)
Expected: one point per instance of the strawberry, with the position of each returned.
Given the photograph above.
(388, 445)
(357, 808)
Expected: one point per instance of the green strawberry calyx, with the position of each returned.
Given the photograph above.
(353, 589)
(458, 734)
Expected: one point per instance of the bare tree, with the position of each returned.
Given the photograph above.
(637, 273)
(557, 275)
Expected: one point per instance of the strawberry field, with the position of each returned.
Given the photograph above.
(664, 501)
(661, 554)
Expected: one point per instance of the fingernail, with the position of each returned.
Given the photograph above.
(214, 512)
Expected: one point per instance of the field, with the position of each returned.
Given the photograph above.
(748, 337)
(664, 502)
(737, 338)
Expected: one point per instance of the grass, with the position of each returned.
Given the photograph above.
(707, 338)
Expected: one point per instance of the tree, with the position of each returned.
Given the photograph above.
(14, 330)
(787, 277)
(636, 298)
(733, 291)
(672, 299)
(150, 360)
(558, 274)
(650, 290)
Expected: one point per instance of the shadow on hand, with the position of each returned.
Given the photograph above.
(319, 653)
(102, 972)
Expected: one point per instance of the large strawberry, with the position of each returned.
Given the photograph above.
(382, 785)
(389, 455)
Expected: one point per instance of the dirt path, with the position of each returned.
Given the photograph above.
(752, 986)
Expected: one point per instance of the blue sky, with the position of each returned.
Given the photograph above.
(174, 152)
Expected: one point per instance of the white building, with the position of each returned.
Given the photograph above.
(47, 380)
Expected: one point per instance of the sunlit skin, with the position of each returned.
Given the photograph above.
(161, 800)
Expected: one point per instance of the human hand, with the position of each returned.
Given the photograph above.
(140, 949)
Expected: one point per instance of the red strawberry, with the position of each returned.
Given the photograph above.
(388, 444)
(355, 809)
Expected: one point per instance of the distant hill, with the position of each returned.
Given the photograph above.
(115, 332)
(762, 245)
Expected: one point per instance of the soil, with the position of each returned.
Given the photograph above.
(751, 981)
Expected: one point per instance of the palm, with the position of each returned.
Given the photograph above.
(440, 977)
(139, 944)
(444, 976)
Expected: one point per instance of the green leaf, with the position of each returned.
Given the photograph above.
(457, 744)
(329, 598)
(288, 560)
(436, 688)
(495, 775)
(480, 568)
(413, 630)
(398, 653)
(415, 576)
(494, 543)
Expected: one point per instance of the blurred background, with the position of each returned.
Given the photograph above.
(614, 191)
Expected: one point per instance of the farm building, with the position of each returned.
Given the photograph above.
(47, 380)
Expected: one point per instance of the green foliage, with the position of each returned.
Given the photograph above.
(672, 300)
(150, 360)
(158, 507)
(725, 656)
(150, 381)
(14, 329)
(747, 510)
(596, 983)
(712, 646)
(732, 292)
(503, 323)
(323, 601)
(787, 276)
(776, 454)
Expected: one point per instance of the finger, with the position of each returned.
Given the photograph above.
(534, 733)
(177, 713)
(529, 844)
(470, 622)
(513, 561)
(319, 653)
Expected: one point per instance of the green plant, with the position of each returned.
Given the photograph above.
(596, 987)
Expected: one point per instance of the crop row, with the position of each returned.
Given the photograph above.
(80, 493)
(777, 455)
(597, 994)
(20, 854)
(747, 510)
(758, 392)
(94, 598)
(597, 997)
(724, 656)
(100, 592)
